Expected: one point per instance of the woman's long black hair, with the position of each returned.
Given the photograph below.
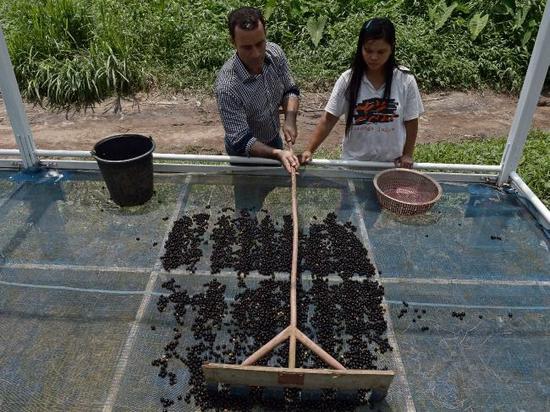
(373, 29)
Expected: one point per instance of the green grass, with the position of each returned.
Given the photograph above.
(75, 53)
(533, 168)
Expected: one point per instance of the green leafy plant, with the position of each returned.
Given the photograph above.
(315, 27)
(518, 17)
(477, 24)
(269, 8)
(441, 13)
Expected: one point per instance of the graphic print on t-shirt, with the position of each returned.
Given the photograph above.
(375, 110)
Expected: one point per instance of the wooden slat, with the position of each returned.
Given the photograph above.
(304, 378)
(268, 347)
(325, 357)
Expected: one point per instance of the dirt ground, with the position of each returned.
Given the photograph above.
(190, 124)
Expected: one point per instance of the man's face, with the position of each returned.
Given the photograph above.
(250, 45)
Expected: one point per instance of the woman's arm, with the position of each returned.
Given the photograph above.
(411, 131)
(322, 130)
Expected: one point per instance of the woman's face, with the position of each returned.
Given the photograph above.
(376, 53)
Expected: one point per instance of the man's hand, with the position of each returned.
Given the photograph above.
(405, 161)
(290, 131)
(288, 160)
(305, 157)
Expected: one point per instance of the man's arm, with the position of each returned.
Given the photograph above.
(290, 109)
(238, 136)
(287, 159)
(291, 97)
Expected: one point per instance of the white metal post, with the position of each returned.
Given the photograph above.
(15, 109)
(528, 99)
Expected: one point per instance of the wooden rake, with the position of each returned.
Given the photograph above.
(337, 378)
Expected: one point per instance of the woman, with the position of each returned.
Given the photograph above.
(382, 119)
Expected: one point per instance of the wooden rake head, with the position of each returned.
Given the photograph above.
(292, 377)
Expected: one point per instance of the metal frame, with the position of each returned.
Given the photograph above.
(269, 162)
(527, 193)
(15, 109)
(528, 99)
(333, 172)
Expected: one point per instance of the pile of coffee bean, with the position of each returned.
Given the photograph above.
(178, 297)
(257, 315)
(345, 318)
(325, 322)
(267, 246)
(333, 248)
(243, 244)
(283, 247)
(183, 244)
(210, 308)
(223, 236)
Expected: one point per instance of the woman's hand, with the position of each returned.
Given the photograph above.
(405, 161)
(305, 157)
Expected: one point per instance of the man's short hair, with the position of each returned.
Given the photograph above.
(246, 18)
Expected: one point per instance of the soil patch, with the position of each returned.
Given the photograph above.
(190, 123)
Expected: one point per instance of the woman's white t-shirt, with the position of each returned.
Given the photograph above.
(378, 129)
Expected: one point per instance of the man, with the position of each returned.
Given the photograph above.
(250, 88)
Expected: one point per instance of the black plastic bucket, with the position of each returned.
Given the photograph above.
(126, 163)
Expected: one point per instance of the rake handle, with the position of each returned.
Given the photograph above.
(293, 270)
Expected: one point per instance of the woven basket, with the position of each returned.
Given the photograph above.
(405, 191)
